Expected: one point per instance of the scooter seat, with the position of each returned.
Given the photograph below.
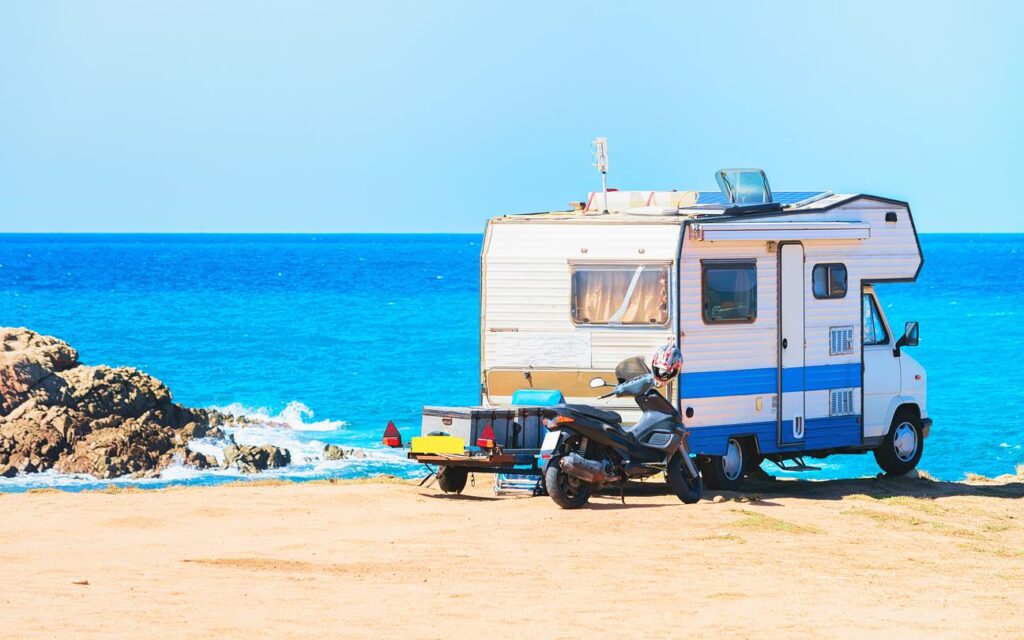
(608, 417)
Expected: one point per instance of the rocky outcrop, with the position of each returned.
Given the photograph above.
(334, 452)
(252, 459)
(57, 413)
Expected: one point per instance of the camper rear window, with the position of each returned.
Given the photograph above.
(620, 294)
(829, 281)
(730, 292)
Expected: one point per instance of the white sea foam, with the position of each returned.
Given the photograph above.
(293, 415)
(286, 429)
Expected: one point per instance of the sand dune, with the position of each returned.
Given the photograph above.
(847, 559)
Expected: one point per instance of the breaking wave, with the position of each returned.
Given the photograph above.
(293, 428)
(294, 415)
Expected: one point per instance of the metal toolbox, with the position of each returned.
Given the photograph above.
(515, 428)
(469, 422)
(529, 431)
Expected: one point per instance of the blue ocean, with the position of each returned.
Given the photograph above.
(331, 336)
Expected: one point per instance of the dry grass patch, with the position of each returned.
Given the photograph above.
(278, 482)
(890, 518)
(116, 488)
(1019, 470)
(724, 536)
(728, 595)
(1001, 552)
(970, 476)
(761, 522)
(996, 527)
(884, 517)
(926, 505)
(863, 497)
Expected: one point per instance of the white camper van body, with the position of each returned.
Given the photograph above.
(794, 373)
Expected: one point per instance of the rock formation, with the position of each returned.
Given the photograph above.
(104, 421)
(334, 452)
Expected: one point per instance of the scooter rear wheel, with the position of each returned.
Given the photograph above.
(687, 489)
(567, 491)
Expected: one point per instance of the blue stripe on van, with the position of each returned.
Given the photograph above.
(819, 434)
(742, 382)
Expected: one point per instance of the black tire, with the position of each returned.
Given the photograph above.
(452, 479)
(902, 447)
(687, 489)
(725, 472)
(567, 492)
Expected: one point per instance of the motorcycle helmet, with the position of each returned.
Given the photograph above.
(667, 361)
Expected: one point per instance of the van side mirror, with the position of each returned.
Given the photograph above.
(910, 338)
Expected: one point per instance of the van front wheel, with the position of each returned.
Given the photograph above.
(902, 447)
(725, 472)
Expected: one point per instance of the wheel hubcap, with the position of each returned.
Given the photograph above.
(904, 441)
(732, 461)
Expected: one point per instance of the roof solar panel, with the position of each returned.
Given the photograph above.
(782, 197)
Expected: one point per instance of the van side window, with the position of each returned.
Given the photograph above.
(730, 291)
(629, 294)
(829, 281)
(874, 329)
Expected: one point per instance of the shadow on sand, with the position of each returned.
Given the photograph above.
(763, 489)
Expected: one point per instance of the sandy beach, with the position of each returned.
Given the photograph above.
(848, 559)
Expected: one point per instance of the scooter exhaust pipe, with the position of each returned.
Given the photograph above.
(587, 470)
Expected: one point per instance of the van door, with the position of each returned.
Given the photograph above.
(881, 368)
(791, 345)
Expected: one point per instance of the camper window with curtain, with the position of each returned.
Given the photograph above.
(829, 281)
(630, 294)
(730, 291)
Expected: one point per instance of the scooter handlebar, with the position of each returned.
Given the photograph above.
(634, 387)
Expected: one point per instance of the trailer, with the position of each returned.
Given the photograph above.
(771, 297)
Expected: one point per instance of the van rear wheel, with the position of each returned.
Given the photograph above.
(452, 479)
(725, 472)
(902, 447)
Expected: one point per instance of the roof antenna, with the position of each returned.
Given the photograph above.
(601, 162)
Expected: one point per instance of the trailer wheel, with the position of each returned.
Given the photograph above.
(725, 472)
(452, 479)
(902, 447)
(567, 492)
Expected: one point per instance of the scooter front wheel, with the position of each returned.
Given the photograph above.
(567, 491)
(687, 489)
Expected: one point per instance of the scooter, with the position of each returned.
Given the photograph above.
(587, 449)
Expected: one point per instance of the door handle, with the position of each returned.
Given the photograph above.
(785, 343)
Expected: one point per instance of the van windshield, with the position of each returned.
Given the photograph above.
(874, 328)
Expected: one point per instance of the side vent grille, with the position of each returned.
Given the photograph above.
(840, 402)
(840, 341)
(659, 439)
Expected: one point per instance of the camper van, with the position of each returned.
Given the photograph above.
(773, 299)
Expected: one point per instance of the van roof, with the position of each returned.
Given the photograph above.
(677, 207)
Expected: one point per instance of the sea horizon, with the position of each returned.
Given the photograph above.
(318, 331)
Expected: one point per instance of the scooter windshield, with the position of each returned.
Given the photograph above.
(631, 368)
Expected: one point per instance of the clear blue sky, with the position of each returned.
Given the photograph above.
(381, 116)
